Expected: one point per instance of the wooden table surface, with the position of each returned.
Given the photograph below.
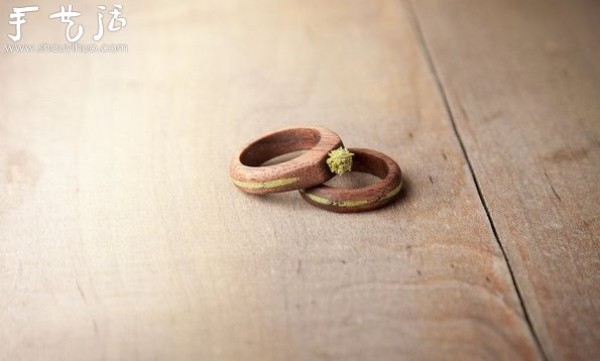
(122, 238)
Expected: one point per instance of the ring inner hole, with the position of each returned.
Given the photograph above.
(288, 144)
(366, 170)
(283, 158)
(353, 180)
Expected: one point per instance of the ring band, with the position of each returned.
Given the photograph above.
(309, 169)
(345, 200)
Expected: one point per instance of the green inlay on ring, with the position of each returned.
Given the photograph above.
(268, 184)
(351, 203)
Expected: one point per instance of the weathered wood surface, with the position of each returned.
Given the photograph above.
(523, 83)
(121, 236)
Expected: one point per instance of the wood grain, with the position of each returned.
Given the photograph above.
(522, 80)
(121, 236)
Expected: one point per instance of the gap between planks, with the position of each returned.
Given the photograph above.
(429, 60)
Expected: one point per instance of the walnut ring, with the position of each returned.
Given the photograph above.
(248, 173)
(346, 200)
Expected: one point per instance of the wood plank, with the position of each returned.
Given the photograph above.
(121, 236)
(522, 81)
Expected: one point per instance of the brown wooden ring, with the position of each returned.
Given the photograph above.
(309, 169)
(346, 200)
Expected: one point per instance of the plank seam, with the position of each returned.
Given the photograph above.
(429, 59)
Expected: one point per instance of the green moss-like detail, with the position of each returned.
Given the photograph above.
(340, 160)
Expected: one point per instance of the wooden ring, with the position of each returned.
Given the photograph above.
(346, 200)
(247, 172)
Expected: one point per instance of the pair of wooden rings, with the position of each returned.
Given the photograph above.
(309, 171)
